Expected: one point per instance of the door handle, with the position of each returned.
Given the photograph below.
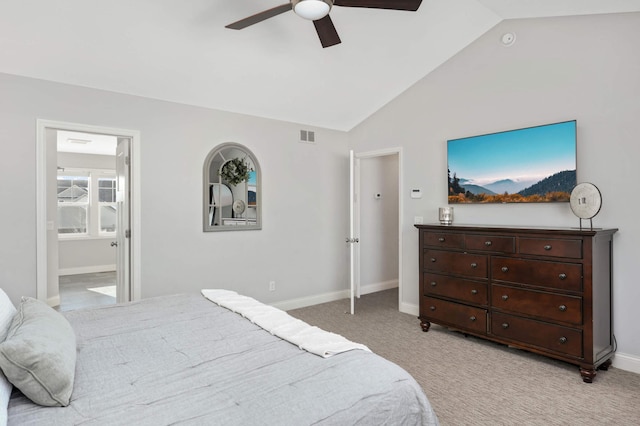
(114, 244)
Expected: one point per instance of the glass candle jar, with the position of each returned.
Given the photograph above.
(445, 214)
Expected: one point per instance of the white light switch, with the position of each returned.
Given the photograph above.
(50, 225)
(416, 193)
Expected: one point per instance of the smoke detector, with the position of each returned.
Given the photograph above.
(508, 39)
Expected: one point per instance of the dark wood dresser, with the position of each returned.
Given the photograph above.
(545, 290)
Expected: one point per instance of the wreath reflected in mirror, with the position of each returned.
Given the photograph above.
(235, 171)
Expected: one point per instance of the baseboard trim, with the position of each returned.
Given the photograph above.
(375, 287)
(410, 309)
(54, 301)
(626, 362)
(303, 302)
(86, 270)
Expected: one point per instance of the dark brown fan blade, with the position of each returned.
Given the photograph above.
(259, 17)
(411, 5)
(327, 32)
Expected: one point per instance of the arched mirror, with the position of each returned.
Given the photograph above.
(232, 192)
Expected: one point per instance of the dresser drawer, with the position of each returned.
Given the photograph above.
(566, 276)
(456, 263)
(444, 240)
(490, 243)
(474, 292)
(547, 306)
(454, 314)
(551, 247)
(546, 336)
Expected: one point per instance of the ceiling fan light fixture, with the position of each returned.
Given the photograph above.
(312, 9)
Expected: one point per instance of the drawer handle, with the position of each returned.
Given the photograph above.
(562, 276)
(505, 325)
(562, 308)
(474, 265)
(562, 340)
(487, 243)
(433, 284)
(441, 239)
(433, 308)
(504, 269)
(433, 259)
(472, 318)
(505, 297)
(547, 247)
(474, 291)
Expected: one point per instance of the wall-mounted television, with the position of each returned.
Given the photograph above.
(529, 165)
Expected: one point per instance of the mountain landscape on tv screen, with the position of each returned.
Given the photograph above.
(556, 187)
(560, 182)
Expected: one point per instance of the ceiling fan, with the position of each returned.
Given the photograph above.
(318, 12)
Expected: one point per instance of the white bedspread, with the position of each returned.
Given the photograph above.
(279, 323)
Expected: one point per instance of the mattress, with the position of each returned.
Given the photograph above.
(184, 360)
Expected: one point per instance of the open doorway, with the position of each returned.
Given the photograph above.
(378, 217)
(86, 219)
(86, 251)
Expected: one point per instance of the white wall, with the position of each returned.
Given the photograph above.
(585, 68)
(304, 253)
(379, 221)
(89, 161)
(81, 256)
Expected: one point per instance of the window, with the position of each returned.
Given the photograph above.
(107, 204)
(73, 203)
(86, 203)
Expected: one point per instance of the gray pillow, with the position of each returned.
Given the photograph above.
(39, 354)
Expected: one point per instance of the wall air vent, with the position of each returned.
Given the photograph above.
(307, 136)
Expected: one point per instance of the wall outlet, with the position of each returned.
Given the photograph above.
(417, 220)
(272, 286)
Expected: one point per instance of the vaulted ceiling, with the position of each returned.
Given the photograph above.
(180, 51)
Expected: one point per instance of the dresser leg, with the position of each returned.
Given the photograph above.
(605, 365)
(587, 374)
(425, 325)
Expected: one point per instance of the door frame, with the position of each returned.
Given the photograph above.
(357, 214)
(41, 199)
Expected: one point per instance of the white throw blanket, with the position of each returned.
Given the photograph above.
(279, 323)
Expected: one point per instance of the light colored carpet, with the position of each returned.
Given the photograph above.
(470, 381)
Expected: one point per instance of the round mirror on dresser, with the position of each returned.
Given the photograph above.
(231, 189)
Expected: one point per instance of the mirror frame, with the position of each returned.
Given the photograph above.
(207, 227)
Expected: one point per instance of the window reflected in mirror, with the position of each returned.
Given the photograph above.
(231, 189)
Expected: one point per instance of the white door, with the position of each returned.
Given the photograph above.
(353, 239)
(123, 228)
(361, 188)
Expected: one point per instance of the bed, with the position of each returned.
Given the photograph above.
(183, 359)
